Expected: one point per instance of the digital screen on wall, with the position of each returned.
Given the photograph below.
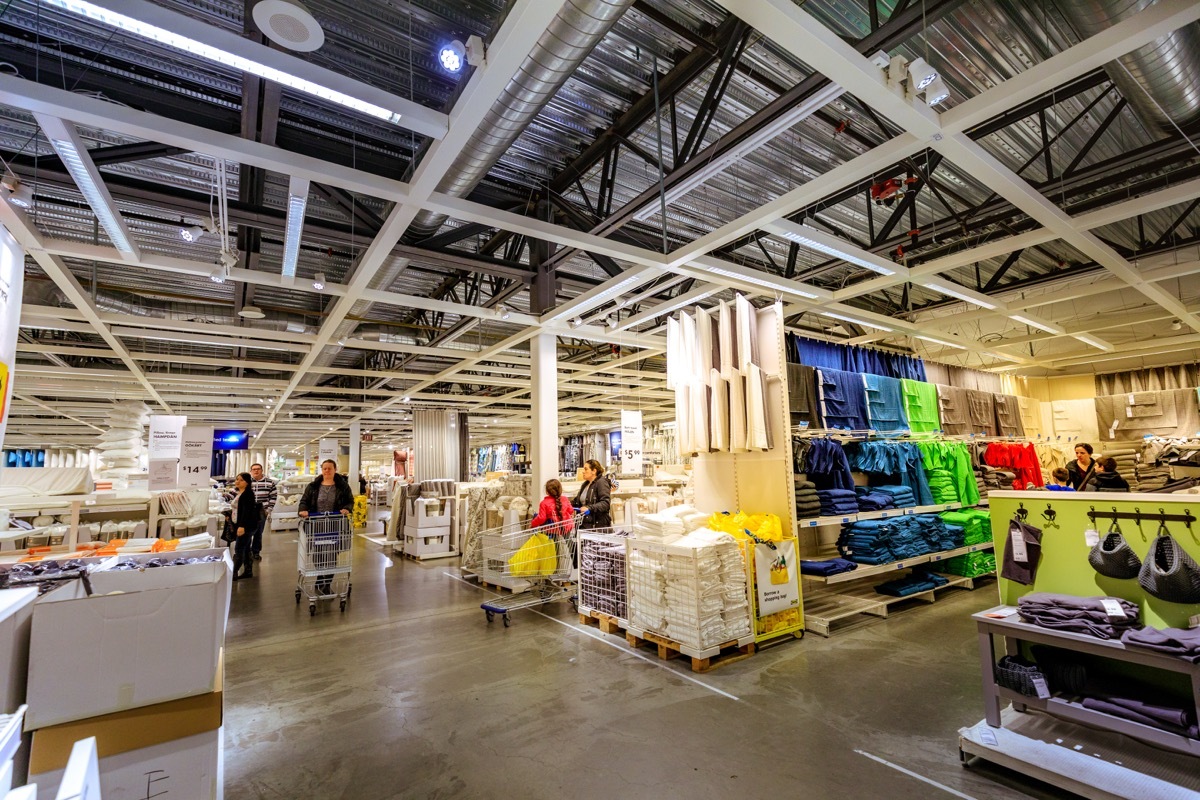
(614, 445)
(231, 440)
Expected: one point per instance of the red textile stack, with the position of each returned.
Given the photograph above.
(1021, 458)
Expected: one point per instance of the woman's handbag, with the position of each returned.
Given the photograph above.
(1168, 572)
(229, 532)
(1113, 557)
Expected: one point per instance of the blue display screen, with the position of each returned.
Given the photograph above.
(231, 440)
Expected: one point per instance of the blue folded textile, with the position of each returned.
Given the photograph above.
(843, 399)
(911, 584)
(832, 566)
(885, 403)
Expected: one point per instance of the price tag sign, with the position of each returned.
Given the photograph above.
(195, 461)
(1039, 686)
(1092, 537)
(631, 442)
(1019, 550)
(1112, 608)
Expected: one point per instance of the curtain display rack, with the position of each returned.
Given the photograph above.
(906, 436)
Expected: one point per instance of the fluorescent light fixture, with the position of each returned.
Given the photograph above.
(942, 342)
(854, 320)
(63, 139)
(820, 241)
(452, 56)
(936, 92)
(179, 42)
(217, 275)
(1099, 344)
(319, 281)
(1041, 326)
(961, 293)
(921, 74)
(760, 279)
(297, 203)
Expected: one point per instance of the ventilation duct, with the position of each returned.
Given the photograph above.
(1161, 80)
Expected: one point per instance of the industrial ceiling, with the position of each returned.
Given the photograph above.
(377, 232)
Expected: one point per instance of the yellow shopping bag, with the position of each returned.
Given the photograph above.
(537, 557)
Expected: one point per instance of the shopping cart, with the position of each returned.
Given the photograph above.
(323, 559)
(542, 557)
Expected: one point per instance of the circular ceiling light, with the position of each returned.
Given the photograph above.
(191, 233)
(452, 56)
(22, 196)
(251, 312)
(289, 25)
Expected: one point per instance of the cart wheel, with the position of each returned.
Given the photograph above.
(343, 605)
(506, 620)
(574, 603)
(490, 615)
(297, 597)
(312, 609)
(799, 634)
(349, 587)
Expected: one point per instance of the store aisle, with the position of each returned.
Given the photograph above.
(411, 694)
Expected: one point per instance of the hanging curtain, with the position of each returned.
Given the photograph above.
(964, 378)
(436, 446)
(1155, 379)
(848, 358)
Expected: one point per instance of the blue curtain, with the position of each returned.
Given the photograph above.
(815, 353)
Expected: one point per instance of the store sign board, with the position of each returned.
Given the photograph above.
(195, 460)
(631, 442)
(776, 571)
(12, 274)
(327, 449)
(166, 436)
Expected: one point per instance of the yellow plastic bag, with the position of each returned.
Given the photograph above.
(765, 526)
(536, 558)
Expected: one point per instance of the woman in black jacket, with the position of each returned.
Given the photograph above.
(244, 516)
(329, 493)
(1081, 471)
(593, 498)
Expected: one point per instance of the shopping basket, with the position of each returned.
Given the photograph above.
(323, 559)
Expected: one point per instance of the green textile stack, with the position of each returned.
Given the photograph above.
(972, 565)
(976, 524)
(941, 485)
(955, 460)
(920, 405)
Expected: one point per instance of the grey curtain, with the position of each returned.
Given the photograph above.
(1155, 379)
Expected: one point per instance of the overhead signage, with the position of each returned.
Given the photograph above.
(195, 461)
(12, 274)
(631, 442)
(166, 443)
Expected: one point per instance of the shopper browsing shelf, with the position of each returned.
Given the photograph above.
(266, 491)
(1083, 468)
(1060, 481)
(328, 493)
(245, 517)
(1108, 479)
(554, 509)
(593, 498)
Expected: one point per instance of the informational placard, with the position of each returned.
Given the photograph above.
(195, 460)
(776, 577)
(166, 436)
(631, 442)
(327, 449)
(12, 274)
(164, 474)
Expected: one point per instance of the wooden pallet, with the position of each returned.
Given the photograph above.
(824, 608)
(667, 650)
(429, 557)
(606, 622)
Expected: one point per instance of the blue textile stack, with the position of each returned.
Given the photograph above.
(902, 496)
(933, 530)
(867, 541)
(911, 584)
(869, 500)
(832, 566)
(956, 536)
(835, 502)
(878, 541)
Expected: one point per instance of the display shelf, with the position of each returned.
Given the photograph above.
(10, 733)
(824, 607)
(887, 513)
(869, 570)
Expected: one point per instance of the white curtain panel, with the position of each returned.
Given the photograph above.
(435, 444)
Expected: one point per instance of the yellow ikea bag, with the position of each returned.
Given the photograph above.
(536, 558)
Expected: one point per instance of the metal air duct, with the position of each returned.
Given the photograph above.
(1161, 80)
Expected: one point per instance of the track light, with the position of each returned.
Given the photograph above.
(191, 233)
(1176, 325)
(19, 194)
(406, 399)
(319, 281)
(920, 75)
(452, 56)
(217, 275)
(576, 322)
(936, 92)
(503, 311)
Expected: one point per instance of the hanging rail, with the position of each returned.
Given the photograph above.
(1137, 515)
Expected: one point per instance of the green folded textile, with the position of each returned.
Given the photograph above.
(920, 405)
(972, 565)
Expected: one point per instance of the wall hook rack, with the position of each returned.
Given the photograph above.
(1137, 515)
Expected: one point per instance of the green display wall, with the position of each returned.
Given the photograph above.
(1064, 567)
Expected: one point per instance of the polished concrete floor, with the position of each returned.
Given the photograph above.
(410, 693)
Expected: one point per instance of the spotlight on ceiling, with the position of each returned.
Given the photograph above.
(19, 194)
(191, 233)
(936, 92)
(503, 311)
(576, 322)
(319, 281)
(1176, 325)
(920, 75)
(406, 399)
(217, 275)
(452, 56)
(251, 312)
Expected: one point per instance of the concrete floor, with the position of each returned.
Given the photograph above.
(410, 693)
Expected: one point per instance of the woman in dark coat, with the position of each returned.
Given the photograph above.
(593, 498)
(244, 516)
(329, 493)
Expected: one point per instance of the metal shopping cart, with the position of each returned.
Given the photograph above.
(543, 558)
(323, 559)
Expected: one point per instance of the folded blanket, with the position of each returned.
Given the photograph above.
(1174, 641)
(833, 566)
(1077, 614)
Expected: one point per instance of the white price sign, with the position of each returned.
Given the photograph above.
(327, 449)
(631, 442)
(166, 436)
(195, 462)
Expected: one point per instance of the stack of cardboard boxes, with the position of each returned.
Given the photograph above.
(133, 658)
(427, 527)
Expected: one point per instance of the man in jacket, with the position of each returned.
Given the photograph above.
(266, 491)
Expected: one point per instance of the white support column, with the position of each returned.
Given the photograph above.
(543, 351)
(355, 454)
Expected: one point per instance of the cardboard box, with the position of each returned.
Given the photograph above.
(169, 749)
(142, 637)
(426, 541)
(16, 621)
(427, 512)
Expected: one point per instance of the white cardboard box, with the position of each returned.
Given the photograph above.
(142, 637)
(428, 512)
(16, 621)
(426, 541)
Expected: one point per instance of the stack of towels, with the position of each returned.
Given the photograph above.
(877, 541)
(914, 583)
(867, 541)
(835, 502)
(870, 500)
(1086, 615)
(981, 483)
(975, 522)
(695, 594)
(832, 566)
(902, 496)
(941, 484)
(671, 524)
(808, 503)
(1152, 479)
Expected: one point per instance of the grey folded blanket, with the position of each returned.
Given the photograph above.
(1077, 614)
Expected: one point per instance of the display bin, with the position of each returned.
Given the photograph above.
(426, 541)
(602, 575)
(428, 512)
(693, 596)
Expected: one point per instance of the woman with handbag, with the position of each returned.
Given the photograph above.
(244, 517)
(593, 498)
(1082, 468)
